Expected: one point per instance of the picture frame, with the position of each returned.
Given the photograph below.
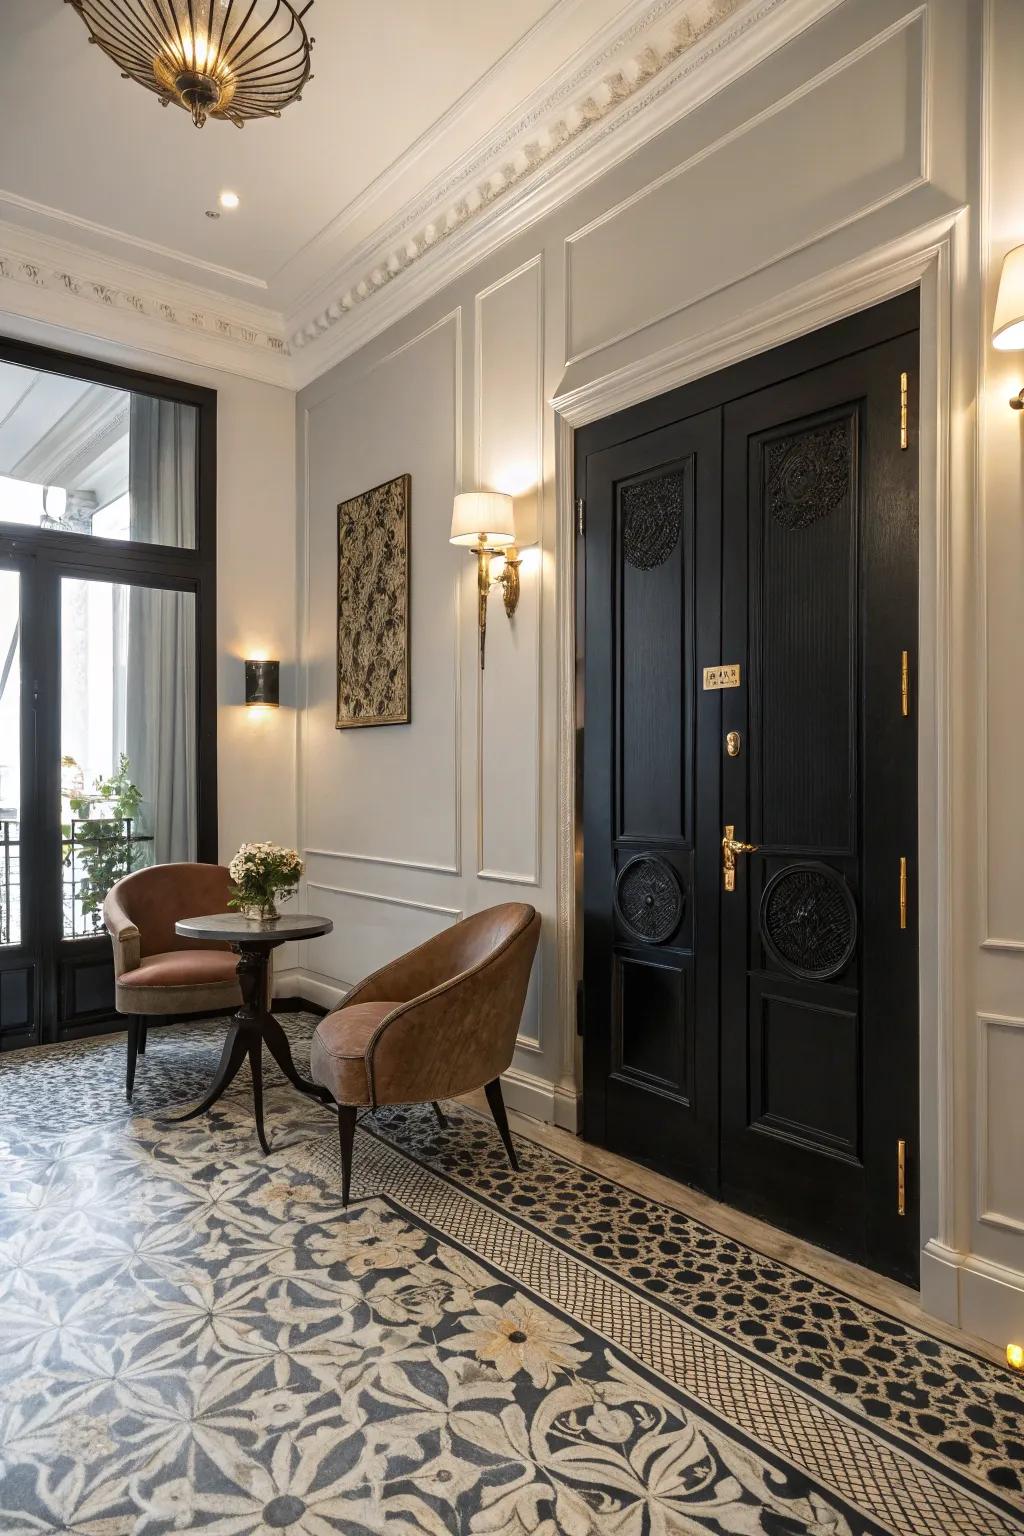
(373, 636)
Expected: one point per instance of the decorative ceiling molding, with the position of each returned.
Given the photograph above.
(668, 58)
(15, 268)
(42, 211)
(634, 79)
(520, 150)
(241, 338)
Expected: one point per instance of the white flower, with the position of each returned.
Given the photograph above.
(260, 870)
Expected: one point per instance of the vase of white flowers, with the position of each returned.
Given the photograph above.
(263, 874)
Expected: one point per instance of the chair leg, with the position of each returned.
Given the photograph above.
(143, 1036)
(441, 1120)
(346, 1136)
(134, 1031)
(497, 1106)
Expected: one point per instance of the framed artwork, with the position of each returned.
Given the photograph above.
(373, 606)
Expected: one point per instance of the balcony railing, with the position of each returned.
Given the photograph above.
(10, 883)
(96, 853)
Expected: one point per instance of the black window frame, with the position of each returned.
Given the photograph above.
(48, 556)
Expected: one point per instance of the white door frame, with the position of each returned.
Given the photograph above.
(935, 260)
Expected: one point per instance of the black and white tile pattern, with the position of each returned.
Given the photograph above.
(197, 1338)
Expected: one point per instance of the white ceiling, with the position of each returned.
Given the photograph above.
(401, 90)
(431, 131)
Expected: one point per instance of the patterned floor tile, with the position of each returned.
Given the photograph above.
(196, 1337)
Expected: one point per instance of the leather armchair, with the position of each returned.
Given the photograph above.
(156, 973)
(440, 1021)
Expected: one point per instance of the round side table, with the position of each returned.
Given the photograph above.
(253, 1026)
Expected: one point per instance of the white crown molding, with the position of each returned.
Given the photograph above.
(63, 284)
(669, 58)
(656, 63)
(472, 100)
(43, 211)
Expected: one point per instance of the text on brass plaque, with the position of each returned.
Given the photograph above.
(722, 677)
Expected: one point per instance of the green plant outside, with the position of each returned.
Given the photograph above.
(104, 852)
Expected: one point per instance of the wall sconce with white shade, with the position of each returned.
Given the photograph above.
(483, 522)
(1008, 325)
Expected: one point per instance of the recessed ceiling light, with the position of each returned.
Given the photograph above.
(229, 199)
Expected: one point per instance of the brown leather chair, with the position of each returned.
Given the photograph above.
(156, 973)
(437, 1022)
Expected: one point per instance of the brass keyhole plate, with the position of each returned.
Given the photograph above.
(732, 744)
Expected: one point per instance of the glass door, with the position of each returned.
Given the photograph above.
(107, 667)
(19, 990)
(128, 759)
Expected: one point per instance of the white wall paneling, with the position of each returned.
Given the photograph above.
(1000, 495)
(820, 176)
(841, 170)
(364, 937)
(389, 795)
(1000, 1124)
(509, 457)
(784, 187)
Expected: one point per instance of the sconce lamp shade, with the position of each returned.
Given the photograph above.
(483, 518)
(263, 683)
(1008, 325)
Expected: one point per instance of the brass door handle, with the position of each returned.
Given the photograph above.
(731, 846)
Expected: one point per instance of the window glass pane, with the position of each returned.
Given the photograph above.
(128, 738)
(81, 458)
(10, 757)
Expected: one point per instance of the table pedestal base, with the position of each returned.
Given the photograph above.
(252, 1027)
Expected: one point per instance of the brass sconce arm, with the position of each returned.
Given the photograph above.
(482, 521)
(508, 580)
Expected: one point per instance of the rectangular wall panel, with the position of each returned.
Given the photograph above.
(369, 930)
(787, 177)
(1000, 1122)
(509, 458)
(364, 791)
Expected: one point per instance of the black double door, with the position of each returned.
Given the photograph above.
(749, 632)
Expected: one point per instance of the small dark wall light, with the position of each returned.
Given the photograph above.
(263, 683)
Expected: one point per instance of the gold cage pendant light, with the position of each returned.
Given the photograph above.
(235, 59)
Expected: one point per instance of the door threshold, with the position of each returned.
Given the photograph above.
(890, 1296)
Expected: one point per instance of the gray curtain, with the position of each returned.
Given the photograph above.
(160, 682)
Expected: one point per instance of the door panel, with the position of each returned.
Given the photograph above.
(803, 600)
(758, 1038)
(653, 554)
(654, 567)
(809, 575)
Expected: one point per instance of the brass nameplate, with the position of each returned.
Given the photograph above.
(722, 677)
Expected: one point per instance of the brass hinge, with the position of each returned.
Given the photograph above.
(905, 683)
(904, 431)
(903, 892)
(581, 518)
(901, 1177)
